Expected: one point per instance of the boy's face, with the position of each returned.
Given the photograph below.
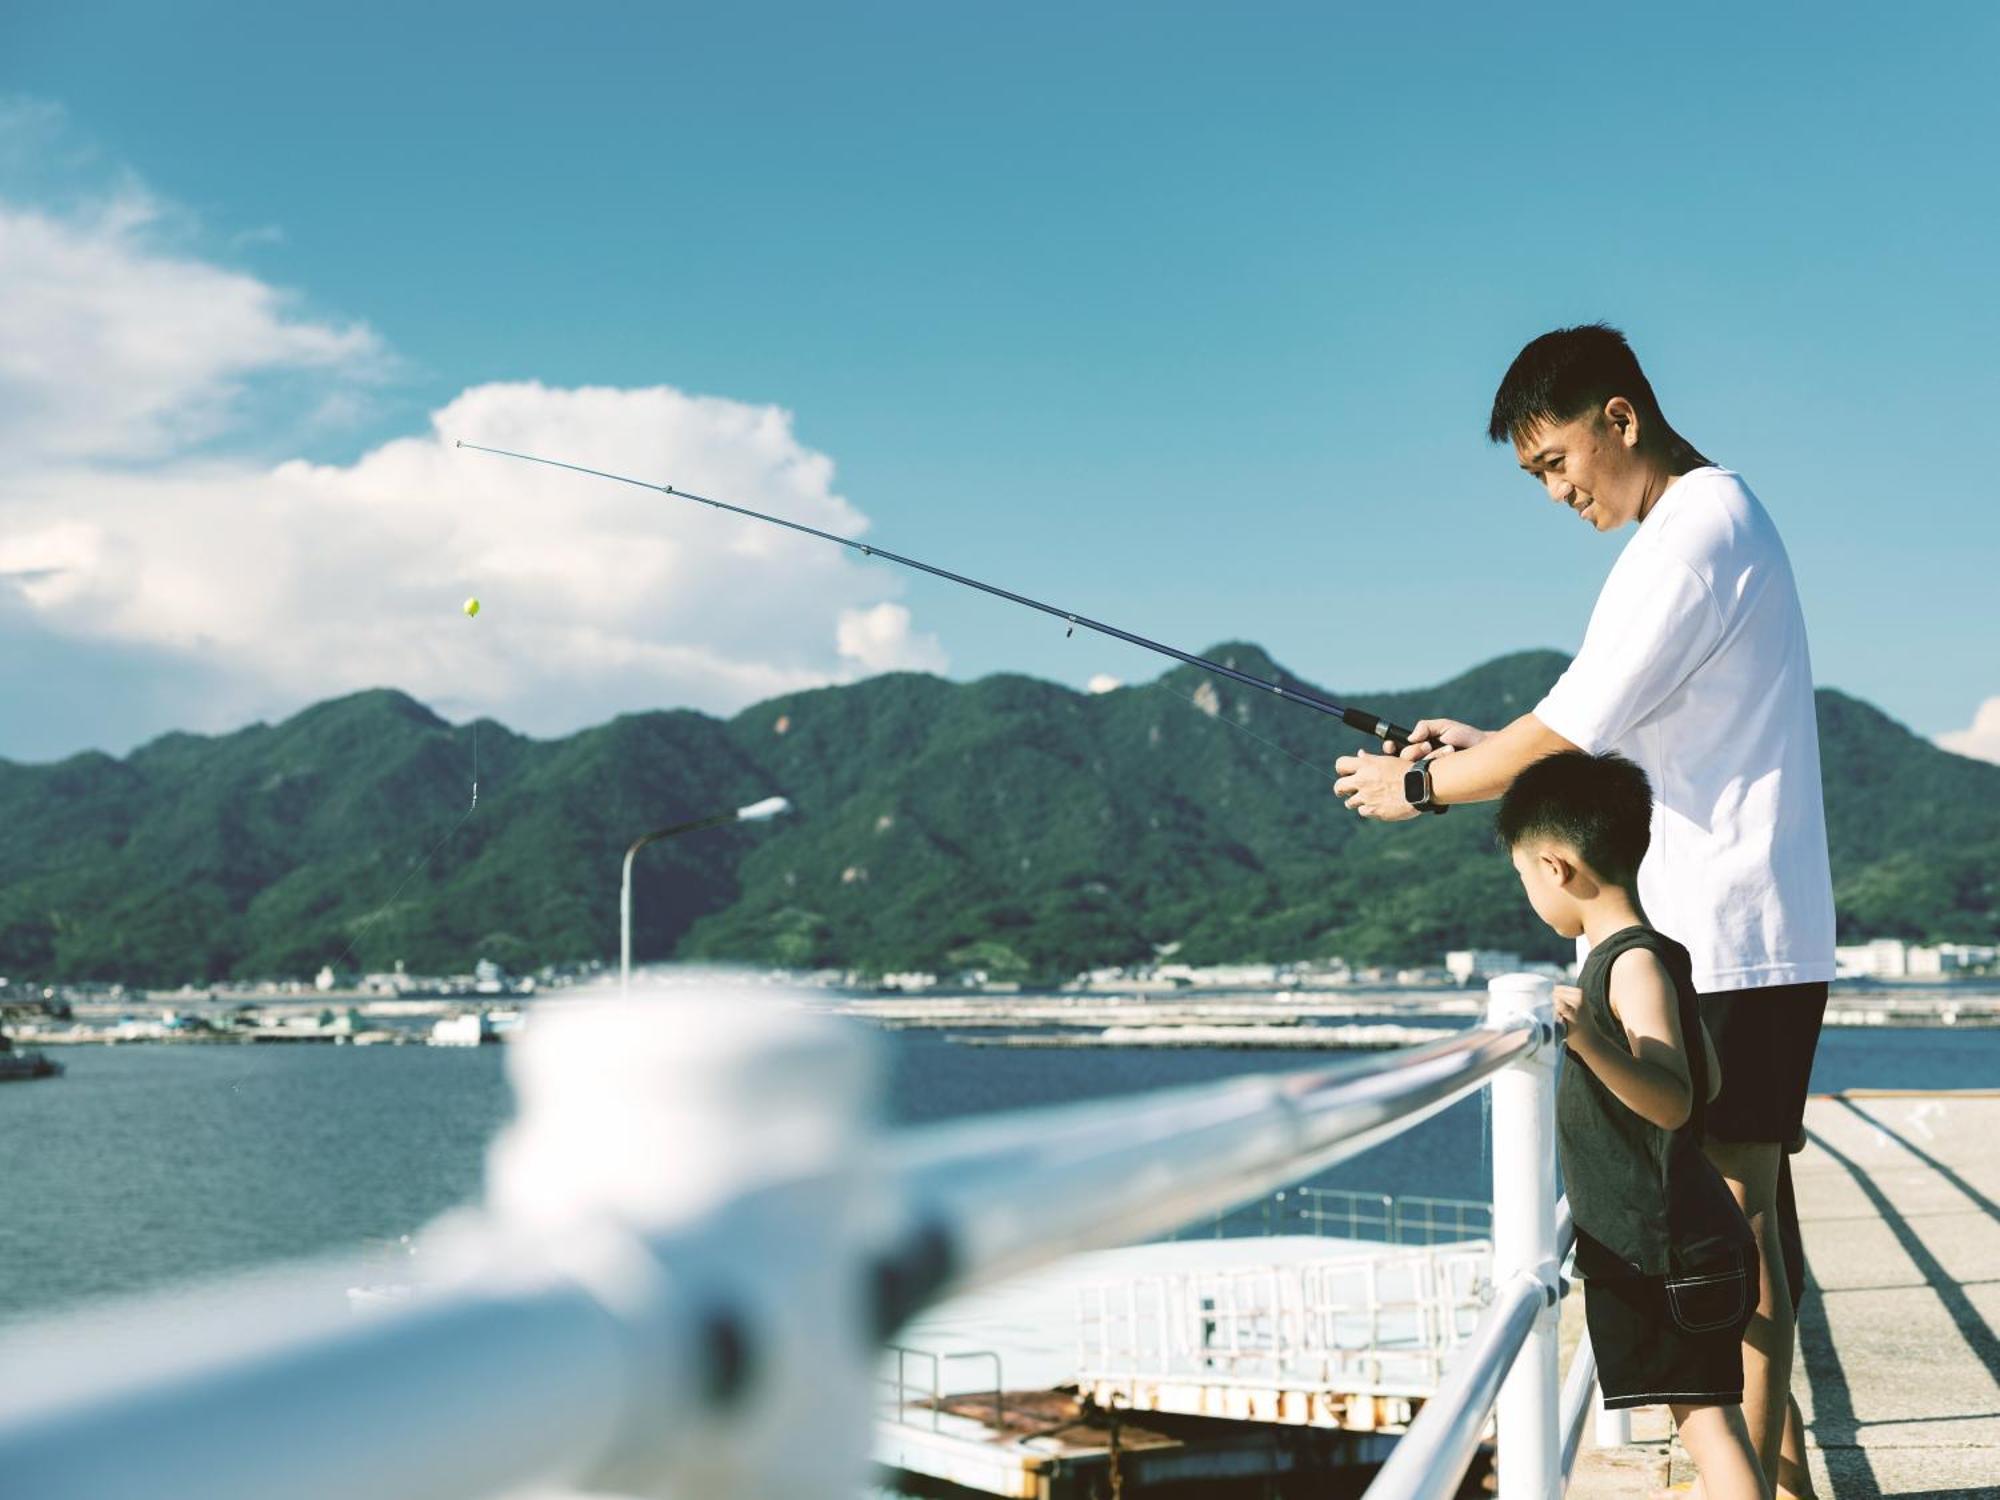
(1546, 870)
(1590, 463)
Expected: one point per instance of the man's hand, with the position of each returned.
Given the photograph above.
(1430, 737)
(1373, 786)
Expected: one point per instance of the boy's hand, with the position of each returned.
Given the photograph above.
(1575, 1015)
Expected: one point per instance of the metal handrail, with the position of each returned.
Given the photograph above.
(1436, 1451)
(904, 1353)
(1110, 1174)
(1422, 1212)
(605, 1326)
(1349, 1214)
(1578, 1386)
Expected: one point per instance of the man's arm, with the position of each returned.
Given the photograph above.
(1373, 784)
(1651, 1079)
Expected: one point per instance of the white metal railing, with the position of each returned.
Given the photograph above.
(1349, 1214)
(932, 1391)
(1369, 1324)
(694, 1245)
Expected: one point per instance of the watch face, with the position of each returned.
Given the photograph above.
(1416, 788)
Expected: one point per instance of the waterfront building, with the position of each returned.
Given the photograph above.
(1467, 965)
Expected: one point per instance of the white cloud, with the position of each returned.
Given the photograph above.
(113, 347)
(880, 640)
(1982, 740)
(286, 583)
(1103, 682)
(309, 580)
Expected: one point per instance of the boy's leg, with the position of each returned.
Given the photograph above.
(1794, 1479)
(1723, 1455)
(1751, 1169)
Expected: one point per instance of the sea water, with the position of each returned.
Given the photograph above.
(151, 1165)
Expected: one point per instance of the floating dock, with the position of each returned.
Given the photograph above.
(1211, 1360)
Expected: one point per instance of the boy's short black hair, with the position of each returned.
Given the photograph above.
(1564, 374)
(1600, 805)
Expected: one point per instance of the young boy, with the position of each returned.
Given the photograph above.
(1668, 1262)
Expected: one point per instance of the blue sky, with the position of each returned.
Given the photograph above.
(1184, 316)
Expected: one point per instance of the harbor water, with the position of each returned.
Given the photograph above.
(149, 1165)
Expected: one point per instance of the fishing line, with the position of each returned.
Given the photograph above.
(1368, 723)
(1224, 719)
(382, 910)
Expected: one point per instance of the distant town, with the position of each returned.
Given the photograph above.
(486, 1003)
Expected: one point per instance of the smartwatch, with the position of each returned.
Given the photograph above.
(1417, 789)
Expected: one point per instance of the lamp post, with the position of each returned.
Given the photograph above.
(756, 812)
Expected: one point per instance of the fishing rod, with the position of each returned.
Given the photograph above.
(1355, 718)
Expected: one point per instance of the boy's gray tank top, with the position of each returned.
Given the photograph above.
(1645, 1200)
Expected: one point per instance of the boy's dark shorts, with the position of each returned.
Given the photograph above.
(1765, 1040)
(1671, 1340)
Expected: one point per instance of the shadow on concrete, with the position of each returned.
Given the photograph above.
(1972, 1326)
(1836, 1425)
(1985, 1204)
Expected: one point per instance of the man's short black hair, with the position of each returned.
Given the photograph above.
(1599, 805)
(1564, 374)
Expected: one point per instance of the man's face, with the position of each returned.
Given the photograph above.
(1589, 464)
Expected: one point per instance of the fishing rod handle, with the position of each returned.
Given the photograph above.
(1389, 731)
(1380, 728)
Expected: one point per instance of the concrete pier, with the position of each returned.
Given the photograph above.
(1899, 1333)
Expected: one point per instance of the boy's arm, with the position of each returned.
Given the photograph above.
(1652, 1079)
(1714, 1062)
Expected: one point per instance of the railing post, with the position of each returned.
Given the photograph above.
(712, 1145)
(1610, 1429)
(1524, 1238)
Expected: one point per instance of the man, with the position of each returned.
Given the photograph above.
(1694, 665)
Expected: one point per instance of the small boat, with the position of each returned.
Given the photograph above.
(19, 1066)
(467, 1029)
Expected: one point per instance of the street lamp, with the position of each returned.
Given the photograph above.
(756, 812)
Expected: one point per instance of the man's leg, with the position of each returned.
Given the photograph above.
(1765, 1040)
(1751, 1169)
(1794, 1478)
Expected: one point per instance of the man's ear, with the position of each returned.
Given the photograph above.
(1623, 420)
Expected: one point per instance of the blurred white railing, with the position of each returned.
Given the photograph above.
(1367, 1322)
(694, 1245)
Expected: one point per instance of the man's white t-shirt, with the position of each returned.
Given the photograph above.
(1695, 667)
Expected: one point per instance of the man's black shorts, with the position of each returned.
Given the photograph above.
(1765, 1040)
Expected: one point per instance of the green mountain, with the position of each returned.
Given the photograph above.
(1008, 824)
